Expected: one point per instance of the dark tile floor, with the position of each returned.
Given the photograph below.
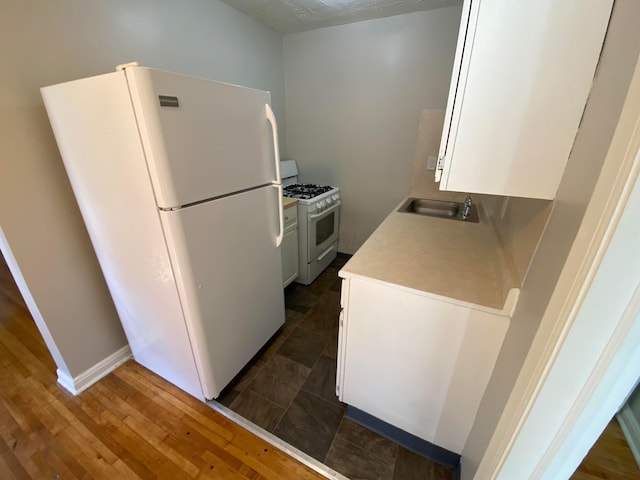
(288, 389)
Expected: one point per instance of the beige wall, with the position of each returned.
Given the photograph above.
(423, 181)
(354, 95)
(519, 224)
(48, 42)
(619, 57)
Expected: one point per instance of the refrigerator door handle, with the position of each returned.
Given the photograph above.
(276, 149)
(278, 182)
(280, 215)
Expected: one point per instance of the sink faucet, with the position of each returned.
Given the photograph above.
(467, 206)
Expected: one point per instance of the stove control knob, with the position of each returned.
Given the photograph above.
(319, 205)
(335, 197)
(329, 201)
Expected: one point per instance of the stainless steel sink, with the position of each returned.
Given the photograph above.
(438, 208)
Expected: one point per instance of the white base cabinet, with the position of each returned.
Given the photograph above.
(289, 246)
(416, 362)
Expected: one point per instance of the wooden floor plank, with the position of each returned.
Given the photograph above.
(97, 466)
(24, 415)
(10, 362)
(58, 412)
(10, 466)
(50, 466)
(158, 441)
(103, 432)
(215, 467)
(67, 460)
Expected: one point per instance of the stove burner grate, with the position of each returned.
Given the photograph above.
(305, 190)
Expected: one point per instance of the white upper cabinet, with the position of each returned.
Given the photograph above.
(521, 78)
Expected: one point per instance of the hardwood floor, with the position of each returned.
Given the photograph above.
(131, 424)
(610, 458)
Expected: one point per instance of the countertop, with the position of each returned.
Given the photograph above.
(288, 202)
(460, 261)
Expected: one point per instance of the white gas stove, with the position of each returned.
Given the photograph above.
(318, 221)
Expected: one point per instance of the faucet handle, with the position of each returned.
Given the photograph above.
(467, 206)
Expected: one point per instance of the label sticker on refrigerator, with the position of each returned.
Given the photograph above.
(167, 101)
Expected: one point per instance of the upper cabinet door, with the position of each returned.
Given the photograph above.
(521, 78)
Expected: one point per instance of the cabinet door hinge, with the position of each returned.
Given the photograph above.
(439, 168)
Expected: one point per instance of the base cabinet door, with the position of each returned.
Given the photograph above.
(290, 256)
(289, 247)
(415, 362)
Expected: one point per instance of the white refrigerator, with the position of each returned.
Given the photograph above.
(178, 182)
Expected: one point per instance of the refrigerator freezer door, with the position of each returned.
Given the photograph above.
(229, 275)
(202, 139)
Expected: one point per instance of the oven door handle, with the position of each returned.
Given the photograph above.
(324, 212)
(325, 253)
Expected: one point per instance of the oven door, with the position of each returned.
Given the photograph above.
(322, 230)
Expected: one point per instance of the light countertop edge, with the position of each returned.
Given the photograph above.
(288, 202)
(507, 311)
(447, 260)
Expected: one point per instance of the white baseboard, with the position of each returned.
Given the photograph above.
(631, 429)
(78, 384)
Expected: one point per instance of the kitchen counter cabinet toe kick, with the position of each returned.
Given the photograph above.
(415, 362)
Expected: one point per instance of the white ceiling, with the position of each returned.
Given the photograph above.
(291, 16)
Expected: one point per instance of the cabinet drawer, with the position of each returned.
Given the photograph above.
(290, 215)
